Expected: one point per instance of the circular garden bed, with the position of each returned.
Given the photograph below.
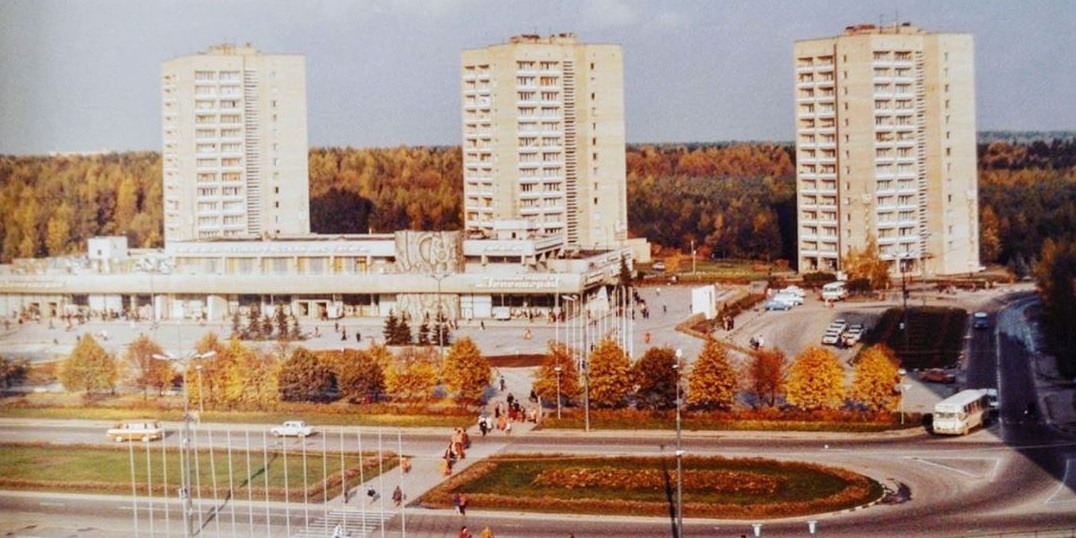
(713, 487)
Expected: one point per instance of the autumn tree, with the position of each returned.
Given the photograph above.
(766, 375)
(89, 368)
(712, 383)
(465, 372)
(815, 380)
(358, 375)
(656, 375)
(610, 374)
(305, 378)
(1055, 275)
(259, 373)
(280, 319)
(214, 380)
(412, 374)
(867, 266)
(875, 378)
(146, 370)
(546, 377)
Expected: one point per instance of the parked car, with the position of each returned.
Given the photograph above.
(937, 375)
(793, 290)
(980, 320)
(774, 304)
(852, 334)
(831, 337)
(790, 298)
(141, 429)
(292, 428)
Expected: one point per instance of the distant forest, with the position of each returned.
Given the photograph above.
(733, 200)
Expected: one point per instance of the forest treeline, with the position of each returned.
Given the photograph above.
(731, 200)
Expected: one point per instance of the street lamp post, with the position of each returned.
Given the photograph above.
(185, 441)
(904, 292)
(440, 320)
(902, 387)
(679, 454)
(201, 392)
(693, 257)
(557, 370)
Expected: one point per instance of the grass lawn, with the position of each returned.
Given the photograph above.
(934, 337)
(108, 470)
(169, 408)
(713, 487)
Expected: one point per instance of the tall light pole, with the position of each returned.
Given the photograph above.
(440, 320)
(201, 393)
(557, 370)
(904, 292)
(679, 454)
(185, 440)
(902, 387)
(693, 257)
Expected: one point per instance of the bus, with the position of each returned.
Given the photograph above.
(834, 291)
(962, 412)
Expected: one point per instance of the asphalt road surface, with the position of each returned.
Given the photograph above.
(1013, 477)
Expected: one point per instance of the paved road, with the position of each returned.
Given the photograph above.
(1011, 477)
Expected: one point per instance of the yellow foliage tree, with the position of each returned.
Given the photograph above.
(413, 374)
(712, 382)
(144, 369)
(545, 378)
(866, 265)
(89, 368)
(875, 378)
(815, 380)
(259, 374)
(465, 371)
(610, 374)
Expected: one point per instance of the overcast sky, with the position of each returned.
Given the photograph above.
(79, 75)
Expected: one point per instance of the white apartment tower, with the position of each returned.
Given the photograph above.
(886, 149)
(235, 145)
(543, 139)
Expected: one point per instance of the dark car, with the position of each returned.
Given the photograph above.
(980, 320)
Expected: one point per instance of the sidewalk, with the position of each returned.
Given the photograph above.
(425, 473)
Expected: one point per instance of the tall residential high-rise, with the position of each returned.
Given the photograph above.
(886, 149)
(543, 139)
(235, 145)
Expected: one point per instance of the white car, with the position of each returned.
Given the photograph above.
(292, 428)
(792, 299)
(852, 334)
(832, 336)
(793, 290)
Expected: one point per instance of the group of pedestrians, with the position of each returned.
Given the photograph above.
(457, 450)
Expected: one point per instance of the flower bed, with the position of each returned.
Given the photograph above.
(713, 487)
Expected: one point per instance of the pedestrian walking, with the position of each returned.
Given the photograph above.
(457, 503)
(464, 533)
(486, 533)
(463, 505)
(397, 496)
(358, 336)
(405, 464)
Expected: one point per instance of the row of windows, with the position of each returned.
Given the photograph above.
(224, 119)
(214, 91)
(530, 65)
(210, 134)
(216, 75)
